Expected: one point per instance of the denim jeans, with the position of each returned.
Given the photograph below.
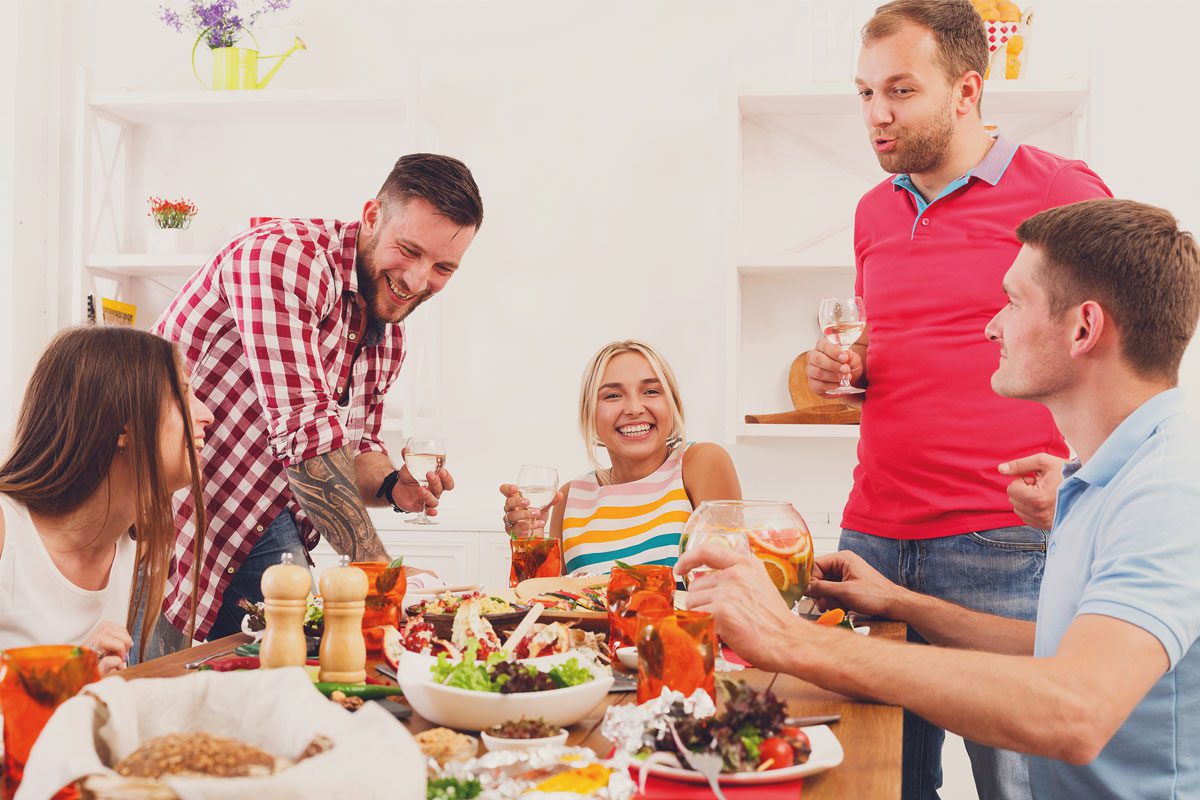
(996, 571)
(279, 537)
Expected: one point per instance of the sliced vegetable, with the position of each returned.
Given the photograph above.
(366, 691)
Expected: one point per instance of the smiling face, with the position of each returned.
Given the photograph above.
(907, 105)
(407, 253)
(633, 417)
(1035, 344)
(173, 454)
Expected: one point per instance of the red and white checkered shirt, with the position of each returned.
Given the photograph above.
(268, 328)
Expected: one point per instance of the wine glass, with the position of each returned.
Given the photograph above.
(422, 455)
(537, 485)
(843, 320)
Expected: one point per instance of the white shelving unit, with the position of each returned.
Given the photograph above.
(796, 148)
(120, 147)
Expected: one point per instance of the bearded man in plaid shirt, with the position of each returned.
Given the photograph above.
(293, 334)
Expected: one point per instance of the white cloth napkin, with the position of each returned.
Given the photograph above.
(422, 584)
(277, 710)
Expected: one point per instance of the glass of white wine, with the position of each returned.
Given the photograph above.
(537, 485)
(843, 320)
(422, 455)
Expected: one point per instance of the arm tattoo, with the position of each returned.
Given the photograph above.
(326, 489)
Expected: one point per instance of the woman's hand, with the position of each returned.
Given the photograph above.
(518, 516)
(111, 643)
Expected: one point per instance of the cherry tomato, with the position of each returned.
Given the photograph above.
(797, 738)
(778, 751)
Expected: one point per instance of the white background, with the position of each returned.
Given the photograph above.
(600, 135)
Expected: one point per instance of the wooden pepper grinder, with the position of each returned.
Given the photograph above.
(343, 650)
(285, 588)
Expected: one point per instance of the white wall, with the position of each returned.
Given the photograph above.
(600, 135)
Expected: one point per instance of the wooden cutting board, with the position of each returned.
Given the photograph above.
(810, 408)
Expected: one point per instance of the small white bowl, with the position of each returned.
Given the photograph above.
(498, 743)
(628, 657)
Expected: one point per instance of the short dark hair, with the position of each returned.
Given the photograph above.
(958, 29)
(443, 182)
(1134, 261)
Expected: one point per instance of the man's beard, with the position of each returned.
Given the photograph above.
(920, 151)
(368, 287)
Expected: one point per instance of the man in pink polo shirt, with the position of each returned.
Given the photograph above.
(954, 490)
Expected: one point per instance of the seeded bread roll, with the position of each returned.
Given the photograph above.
(198, 754)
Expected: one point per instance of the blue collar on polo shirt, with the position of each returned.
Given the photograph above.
(1118, 448)
(991, 169)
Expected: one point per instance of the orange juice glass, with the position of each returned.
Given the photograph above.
(33, 682)
(535, 557)
(385, 592)
(676, 650)
(633, 589)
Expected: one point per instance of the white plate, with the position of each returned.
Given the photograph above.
(471, 711)
(826, 754)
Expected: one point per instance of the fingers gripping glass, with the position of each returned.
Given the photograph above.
(843, 320)
(422, 455)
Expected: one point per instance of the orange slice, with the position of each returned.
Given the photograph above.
(782, 573)
(784, 543)
(833, 617)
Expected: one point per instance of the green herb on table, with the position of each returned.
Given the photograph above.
(453, 789)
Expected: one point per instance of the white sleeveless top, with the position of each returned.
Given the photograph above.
(38, 604)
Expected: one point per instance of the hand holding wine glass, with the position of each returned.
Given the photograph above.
(538, 485)
(843, 320)
(423, 455)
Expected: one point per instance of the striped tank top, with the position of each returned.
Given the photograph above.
(638, 522)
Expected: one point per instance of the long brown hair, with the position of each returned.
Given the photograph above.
(90, 385)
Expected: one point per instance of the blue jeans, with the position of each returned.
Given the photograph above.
(279, 537)
(996, 571)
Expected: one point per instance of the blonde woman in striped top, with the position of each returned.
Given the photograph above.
(634, 510)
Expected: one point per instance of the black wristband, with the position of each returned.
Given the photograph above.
(385, 490)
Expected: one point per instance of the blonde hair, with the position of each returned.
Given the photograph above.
(593, 373)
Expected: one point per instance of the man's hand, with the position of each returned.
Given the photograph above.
(844, 580)
(1035, 491)
(750, 615)
(410, 495)
(827, 364)
(518, 516)
(110, 642)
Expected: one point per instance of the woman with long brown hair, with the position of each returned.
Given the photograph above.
(108, 430)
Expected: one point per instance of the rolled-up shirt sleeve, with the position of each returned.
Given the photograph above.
(278, 291)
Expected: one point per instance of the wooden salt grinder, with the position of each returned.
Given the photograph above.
(285, 588)
(343, 650)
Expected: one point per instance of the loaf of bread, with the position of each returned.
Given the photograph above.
(199, 754)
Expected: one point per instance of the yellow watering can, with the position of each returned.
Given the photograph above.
(237, 67)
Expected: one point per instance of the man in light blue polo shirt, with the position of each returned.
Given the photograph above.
(1104, 688)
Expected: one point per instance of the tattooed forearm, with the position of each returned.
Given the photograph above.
(326, 489)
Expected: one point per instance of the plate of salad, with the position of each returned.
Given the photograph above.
(751, 736)
(472, 695)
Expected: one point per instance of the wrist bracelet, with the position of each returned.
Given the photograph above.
(385, 490)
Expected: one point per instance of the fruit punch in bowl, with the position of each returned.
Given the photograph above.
(773, 531)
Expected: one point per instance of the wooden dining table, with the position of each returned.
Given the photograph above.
(870, 733)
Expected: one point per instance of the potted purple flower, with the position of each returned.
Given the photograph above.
(220, 24)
